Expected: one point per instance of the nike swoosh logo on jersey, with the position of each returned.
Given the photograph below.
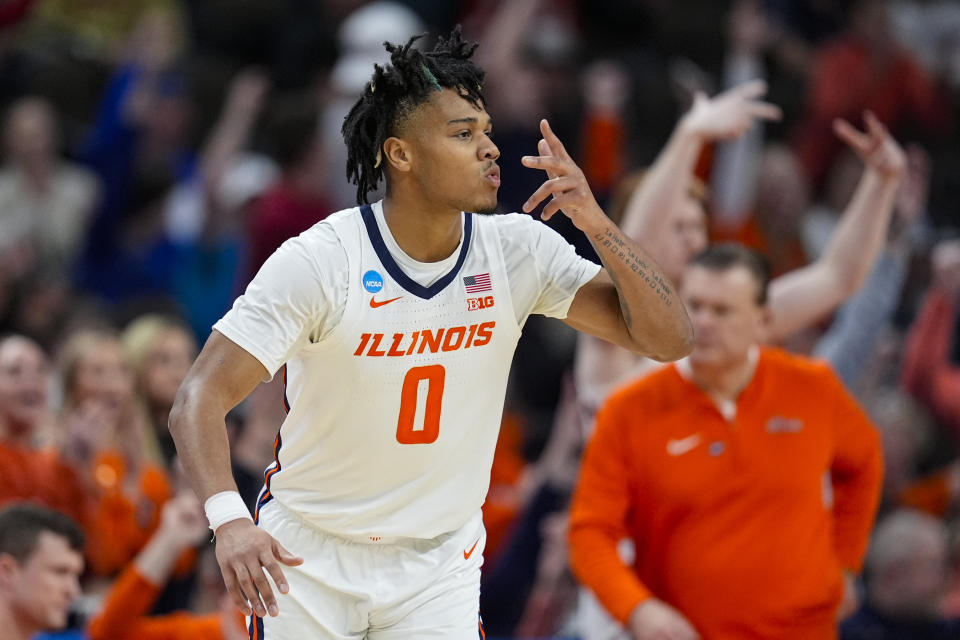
(467, 554)
(374, 304)
(682, 446)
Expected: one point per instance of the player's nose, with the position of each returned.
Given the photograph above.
(489, 150)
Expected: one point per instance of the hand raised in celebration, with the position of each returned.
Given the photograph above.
(566, 183)
(729, 114)
(243, 552)
(876, 147)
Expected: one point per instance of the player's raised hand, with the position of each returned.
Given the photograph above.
(729, 114)
(244, 551)
(656, 620)
(565, 182)
(875, 146)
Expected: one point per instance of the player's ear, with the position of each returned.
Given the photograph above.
(8, 569)
(397, 154)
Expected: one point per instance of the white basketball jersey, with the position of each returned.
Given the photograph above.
(394, 410)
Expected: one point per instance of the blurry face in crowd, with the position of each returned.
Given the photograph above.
(686, 238)
(103, 375)
(727, 319)
(31, 131)
(24, 383)
(450, 153)
(40, 589)
(782, 192)
(166, 365)
(921, 580)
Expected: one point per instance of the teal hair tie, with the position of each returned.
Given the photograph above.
(431, 77)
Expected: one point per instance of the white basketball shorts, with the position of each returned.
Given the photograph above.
(381, 589)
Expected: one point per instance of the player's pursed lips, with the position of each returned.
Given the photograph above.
(493, 174)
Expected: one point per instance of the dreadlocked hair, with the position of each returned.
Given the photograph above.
(395, 91)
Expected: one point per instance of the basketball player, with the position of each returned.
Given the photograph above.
(394, 325)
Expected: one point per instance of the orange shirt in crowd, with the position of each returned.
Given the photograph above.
(124, 616)
(745, 525)
(126, 511)
(118, 514)
(40, 476)
(931, 494)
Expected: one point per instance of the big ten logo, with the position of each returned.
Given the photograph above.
(475, 304)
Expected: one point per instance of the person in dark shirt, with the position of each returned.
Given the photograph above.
(907, 574)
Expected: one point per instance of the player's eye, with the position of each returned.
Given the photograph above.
(489, 133)
(463, 135)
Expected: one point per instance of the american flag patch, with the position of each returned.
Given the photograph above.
(477, 283)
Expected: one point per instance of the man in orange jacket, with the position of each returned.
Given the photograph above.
(125, 615)
(747, 478)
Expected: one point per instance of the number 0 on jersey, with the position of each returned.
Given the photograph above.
(409, 429)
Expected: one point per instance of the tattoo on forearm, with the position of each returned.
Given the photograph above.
(611, 244)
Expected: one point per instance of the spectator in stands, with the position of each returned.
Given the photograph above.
(298, 200)
(41, 559)
(110, 442)
(161, 350)
(719, 468)
(929, 372)
(866, 70)
(208, 212)
(137, 146)
(907, 574)
(125, 614)
(24, 392)
(799, 298)
(30, 468)
(45, 202)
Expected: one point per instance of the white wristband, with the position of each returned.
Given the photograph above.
(225, 507)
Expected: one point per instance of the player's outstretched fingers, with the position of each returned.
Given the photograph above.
(271, 561)
(263, 587)
(556, 147)
(249, 590)
(553, 186)
(233, 588)
(553, 206)
(283, 555)
(550, 164)
(544, 149)
(273, 568)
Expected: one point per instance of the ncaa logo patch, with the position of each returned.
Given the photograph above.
(372, 281)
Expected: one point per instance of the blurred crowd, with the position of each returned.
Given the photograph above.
(155, 152)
